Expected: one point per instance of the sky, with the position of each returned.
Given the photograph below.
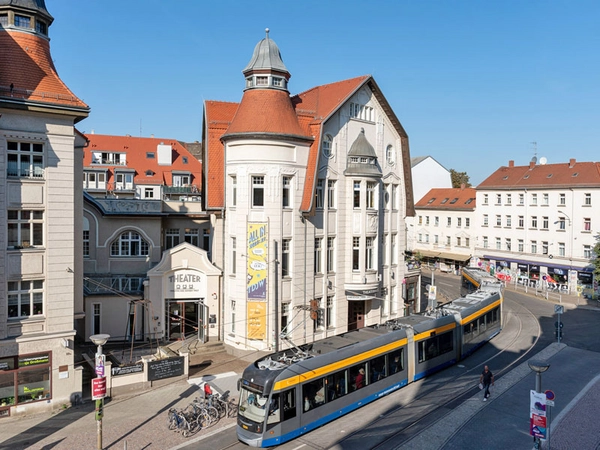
(474, 83)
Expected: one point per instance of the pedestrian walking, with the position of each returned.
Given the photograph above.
(487, 380)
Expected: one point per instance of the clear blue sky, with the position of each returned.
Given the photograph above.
(474, 83)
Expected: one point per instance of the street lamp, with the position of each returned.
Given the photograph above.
(539, 367)
(570, 245)
(99, 340)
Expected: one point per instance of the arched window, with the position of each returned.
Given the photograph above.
(328, 146)
(390, 154)
(130, 243)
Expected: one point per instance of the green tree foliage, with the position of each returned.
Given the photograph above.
(596, 258)
(459, 178)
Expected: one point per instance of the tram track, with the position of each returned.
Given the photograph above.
(408, 432)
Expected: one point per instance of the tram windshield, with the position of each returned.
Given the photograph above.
(253, 405)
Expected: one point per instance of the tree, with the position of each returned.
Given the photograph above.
(596, 259)
(459, 178)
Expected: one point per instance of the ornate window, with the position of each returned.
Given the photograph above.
(328, 146)
(130, 243)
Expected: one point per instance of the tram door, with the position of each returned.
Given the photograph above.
(184, 319)
(356, 315)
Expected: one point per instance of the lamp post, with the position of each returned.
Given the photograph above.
(538, 367)
(99, 340)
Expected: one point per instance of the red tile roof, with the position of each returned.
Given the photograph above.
(562, 175)
(136, 149)
(454, 199)
(217, 117)
(255, 114)
(27, 72)
(267, 111)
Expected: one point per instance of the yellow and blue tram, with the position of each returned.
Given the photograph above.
(290, 393)
(474, 278)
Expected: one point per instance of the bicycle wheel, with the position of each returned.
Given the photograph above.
(232, 408)
(172, 419)
(203, 420)
(213, 414)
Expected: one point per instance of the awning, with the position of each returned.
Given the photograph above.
(443, 255)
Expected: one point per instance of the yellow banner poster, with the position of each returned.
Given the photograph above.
(257, 320)
(257, 251)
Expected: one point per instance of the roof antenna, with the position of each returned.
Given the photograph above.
(534, 151)
(267, 31)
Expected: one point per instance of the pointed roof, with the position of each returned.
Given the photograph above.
(266, 57)
(28, 77)
(265, 112)
(362, 159)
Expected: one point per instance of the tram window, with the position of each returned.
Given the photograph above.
(396, 361)
(339, 385)
(288, 402)
(445, 343)
(313, 394)
(482, 326)
(358, 375)
(377, 366)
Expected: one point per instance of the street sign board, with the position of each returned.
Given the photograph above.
(98, 388)
(559, 309)
(549, 402)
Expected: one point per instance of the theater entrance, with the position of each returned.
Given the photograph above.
(186, 319)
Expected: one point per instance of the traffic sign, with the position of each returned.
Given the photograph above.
(98, 388)
(549, 402)
(550, 395)
(559, 309)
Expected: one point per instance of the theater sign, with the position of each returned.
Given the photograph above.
(186, 283)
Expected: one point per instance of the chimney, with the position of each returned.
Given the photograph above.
(531, 165)
(462, 186)
(571, 163)
(511, 163)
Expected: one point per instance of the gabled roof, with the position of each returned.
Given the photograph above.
(311, 109)
(28, 75)
(544, 176)
(457, 199)
(136, 150)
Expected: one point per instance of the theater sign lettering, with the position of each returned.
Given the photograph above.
(187, 284)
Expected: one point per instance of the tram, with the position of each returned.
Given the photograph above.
(289, 393)
(474, 278)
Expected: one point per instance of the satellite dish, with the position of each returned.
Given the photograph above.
(543, 160)
(534, 159)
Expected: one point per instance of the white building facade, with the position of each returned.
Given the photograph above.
(539, 223)
(315, 189)
(40, 206)
(444, 231)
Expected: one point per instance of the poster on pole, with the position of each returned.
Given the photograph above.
(537, 414)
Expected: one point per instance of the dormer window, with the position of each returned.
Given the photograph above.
(444, 201)
(185, 159)
(41, 27)
(575, 174)
(549, 175)
(454, 200)
(150, 155)
(469, 201)
(262, 81)
(22, 21)
(149, 173)
(431, 200)
(277, 82)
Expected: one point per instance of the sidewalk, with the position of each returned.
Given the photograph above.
(502, 422)
(140, 420)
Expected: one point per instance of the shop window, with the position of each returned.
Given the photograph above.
(24, 379)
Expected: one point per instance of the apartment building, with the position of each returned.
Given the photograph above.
(540, 221)
(444, 231)
(314, 190)
(41, 209)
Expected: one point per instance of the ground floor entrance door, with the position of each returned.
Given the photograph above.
(356, 315)
(185, 319)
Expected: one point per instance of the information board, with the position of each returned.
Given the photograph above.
(166, 368)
